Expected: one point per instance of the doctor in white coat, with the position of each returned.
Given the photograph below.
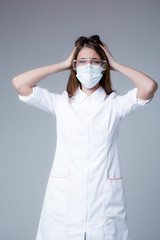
(85, 197)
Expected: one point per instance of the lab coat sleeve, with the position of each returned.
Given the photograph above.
(42, 99)
(128, 103)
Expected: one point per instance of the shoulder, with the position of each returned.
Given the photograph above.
(111, 97)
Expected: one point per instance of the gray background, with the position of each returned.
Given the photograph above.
(37, 33)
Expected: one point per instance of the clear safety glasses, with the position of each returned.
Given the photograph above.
(93, 61)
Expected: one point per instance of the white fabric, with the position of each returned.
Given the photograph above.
(89, 75)
(142, 101)
(85, 190)
(41, 98)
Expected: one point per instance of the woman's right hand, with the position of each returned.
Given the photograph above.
(24, 82)
(68, 61)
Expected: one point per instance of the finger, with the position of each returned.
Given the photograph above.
(102, 46)
(105, 45)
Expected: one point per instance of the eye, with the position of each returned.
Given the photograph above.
(97, 61)
(82, 61)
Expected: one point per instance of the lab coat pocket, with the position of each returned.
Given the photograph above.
(113, 194)
(57, 192)
(107, 193)
(115, 209)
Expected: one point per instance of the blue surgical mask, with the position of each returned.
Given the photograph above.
(89, 75)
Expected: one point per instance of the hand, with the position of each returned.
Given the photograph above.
(68, 61)
(111, 60)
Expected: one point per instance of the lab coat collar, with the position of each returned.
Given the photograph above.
(99, 94)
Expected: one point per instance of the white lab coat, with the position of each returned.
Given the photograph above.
(85, 190)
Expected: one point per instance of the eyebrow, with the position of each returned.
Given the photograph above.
(87, 58)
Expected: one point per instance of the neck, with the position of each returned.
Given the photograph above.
(87, 90)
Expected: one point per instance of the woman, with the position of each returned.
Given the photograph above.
(85, 196)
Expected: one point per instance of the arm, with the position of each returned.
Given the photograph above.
(24, 82)
(146, 86)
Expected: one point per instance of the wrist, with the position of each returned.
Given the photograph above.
(115, 66)
(66, 65)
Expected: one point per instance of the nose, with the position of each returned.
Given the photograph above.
(90, 60)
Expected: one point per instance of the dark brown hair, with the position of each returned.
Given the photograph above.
(91, 42)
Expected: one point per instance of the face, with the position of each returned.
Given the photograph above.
(88, 53)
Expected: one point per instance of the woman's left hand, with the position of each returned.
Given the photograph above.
(111, 60)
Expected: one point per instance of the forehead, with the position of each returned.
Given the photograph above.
(86, 52)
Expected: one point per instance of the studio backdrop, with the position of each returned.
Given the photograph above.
(37, 33)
